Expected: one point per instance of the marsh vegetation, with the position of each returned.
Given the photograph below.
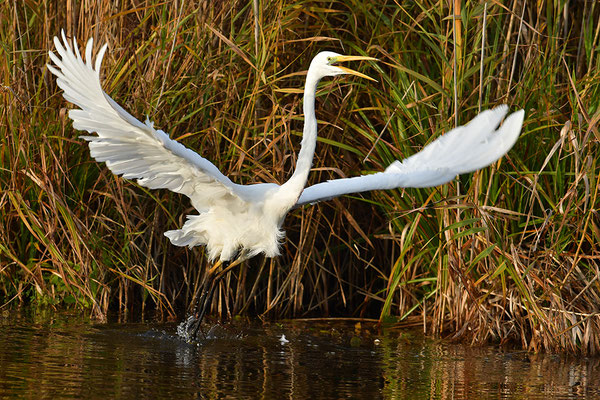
(509, 253)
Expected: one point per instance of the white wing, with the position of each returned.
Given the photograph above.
(464, 149)
(127, 146)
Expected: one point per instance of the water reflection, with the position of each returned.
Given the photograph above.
(64, 356)
(449, 371)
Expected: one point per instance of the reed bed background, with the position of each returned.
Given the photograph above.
(509, 253)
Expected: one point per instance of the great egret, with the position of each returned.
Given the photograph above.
(241, 221)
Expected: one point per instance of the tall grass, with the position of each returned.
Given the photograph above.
(509, 253)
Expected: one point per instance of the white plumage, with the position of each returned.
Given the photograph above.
(464, 149)
(245, 220)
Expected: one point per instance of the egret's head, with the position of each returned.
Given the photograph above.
(326, 64)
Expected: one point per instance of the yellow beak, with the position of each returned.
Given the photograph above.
(354, 58)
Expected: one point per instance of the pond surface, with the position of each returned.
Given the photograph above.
(66, 356)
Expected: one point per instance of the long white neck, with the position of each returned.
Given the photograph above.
(296, 183)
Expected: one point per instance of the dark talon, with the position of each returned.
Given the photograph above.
(205, 299)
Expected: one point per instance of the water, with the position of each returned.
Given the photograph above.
(66, 356)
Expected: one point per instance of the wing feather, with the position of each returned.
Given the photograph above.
(464, 149)
(129, 147)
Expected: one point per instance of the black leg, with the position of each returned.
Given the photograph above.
(205, 301)
(210, 283)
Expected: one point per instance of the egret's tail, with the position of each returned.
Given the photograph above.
(224, 237)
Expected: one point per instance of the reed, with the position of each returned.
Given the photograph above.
(509, 253)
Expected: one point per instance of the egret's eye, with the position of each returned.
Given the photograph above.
(329, 60)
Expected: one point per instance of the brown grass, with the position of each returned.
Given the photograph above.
(509, 253)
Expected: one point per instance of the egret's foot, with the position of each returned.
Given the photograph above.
(189, 328)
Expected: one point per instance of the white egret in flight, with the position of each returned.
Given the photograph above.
(241, 221)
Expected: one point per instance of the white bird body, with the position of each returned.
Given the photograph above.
(245, 220)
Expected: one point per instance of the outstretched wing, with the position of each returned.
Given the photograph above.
(129, 147)
(464, 149)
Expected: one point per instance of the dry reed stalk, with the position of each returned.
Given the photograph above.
(508, 256)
